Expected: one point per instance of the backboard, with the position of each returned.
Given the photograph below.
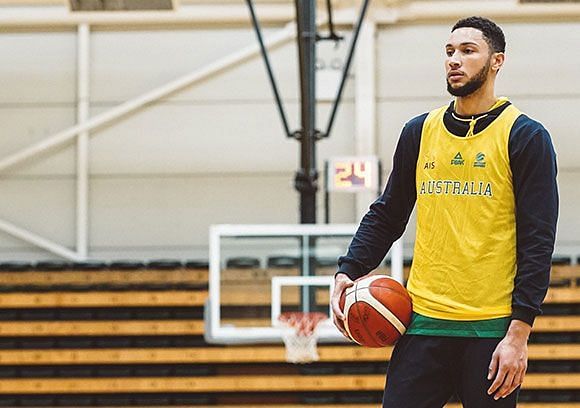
(259, 271)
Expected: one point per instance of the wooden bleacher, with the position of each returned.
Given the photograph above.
(43, 280)
(233, 355)
(117, 354)
(102, 299)
(234, 296)
(237, 383)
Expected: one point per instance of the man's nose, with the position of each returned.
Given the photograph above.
(454, 61)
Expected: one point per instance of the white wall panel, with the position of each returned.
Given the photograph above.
(209, 138)
(149, 217)
(249, 80)
(25, 126)
(126, 64)
(157, 216)
(410, 61)
(37, 68)
(541, 59)
(177, 211)
(43, 206)
(14, 249)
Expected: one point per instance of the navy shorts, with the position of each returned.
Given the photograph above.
(426, 371)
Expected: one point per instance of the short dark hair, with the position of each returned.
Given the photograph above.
(492, 34)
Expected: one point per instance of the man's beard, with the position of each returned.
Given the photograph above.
(472, 85)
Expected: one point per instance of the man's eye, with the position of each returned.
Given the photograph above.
(449, 53)
(468, 51)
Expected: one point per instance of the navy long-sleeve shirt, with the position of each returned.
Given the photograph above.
(533, 165)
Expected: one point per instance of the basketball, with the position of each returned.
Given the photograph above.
(377, 309)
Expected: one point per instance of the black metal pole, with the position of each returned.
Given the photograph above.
(306, 181)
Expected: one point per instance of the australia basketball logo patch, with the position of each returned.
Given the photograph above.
(479, 160)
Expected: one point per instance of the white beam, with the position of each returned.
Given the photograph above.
(126, 108)
(39, 241)
(83, 97)
(212, 15)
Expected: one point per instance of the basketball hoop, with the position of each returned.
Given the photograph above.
(300, 336)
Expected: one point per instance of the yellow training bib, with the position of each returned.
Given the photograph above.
(464, 261)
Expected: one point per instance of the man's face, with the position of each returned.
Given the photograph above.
(468, 61)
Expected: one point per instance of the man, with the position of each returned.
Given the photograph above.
(483, 176)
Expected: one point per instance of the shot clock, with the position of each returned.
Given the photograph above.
(352, 174)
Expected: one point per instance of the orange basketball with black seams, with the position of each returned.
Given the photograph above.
(377, 309)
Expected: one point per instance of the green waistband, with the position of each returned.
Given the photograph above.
(427, 326)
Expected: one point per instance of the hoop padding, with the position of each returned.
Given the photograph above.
(300, 337)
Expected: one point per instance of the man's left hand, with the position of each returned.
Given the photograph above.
(509, 361)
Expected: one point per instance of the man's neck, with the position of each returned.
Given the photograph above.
(478, 102)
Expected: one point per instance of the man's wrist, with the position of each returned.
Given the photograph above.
(519, 330)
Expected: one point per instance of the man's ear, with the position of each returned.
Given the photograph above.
(497, 60)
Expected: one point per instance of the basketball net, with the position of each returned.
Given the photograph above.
(300, 336)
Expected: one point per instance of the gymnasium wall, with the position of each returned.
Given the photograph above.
(215, 152)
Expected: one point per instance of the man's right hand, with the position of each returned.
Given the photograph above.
(341, 283)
